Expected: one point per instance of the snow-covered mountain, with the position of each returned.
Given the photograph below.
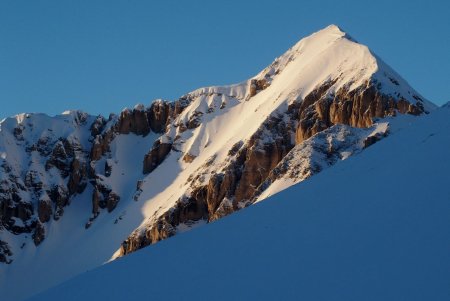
(374, 227)
(78, 190)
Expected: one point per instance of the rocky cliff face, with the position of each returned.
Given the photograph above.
(40, 171)
(52, 166)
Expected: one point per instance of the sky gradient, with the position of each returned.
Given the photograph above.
(102, 56)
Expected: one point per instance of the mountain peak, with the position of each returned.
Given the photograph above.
(333, 28)
(326, 35)
(331, 55)
(151, 172)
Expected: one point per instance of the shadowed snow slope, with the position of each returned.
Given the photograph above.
(374, 227)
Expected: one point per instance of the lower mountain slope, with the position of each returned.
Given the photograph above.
(373, 227)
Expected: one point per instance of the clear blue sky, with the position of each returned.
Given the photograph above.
(101, 56)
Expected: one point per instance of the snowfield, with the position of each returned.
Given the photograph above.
(373, 227)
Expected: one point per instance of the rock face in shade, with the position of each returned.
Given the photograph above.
(65, 164)
(156, 156)
(150, 172)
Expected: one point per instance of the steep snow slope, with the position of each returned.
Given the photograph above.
(160, 170)
(374, 227)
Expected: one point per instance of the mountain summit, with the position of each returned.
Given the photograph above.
(91, 188)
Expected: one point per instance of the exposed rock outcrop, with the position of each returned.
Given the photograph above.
(357, 108)
(187, 209)
(44, 209)
(101, 144)
(188, 158)
(60, 157)
(60, 197)
(256, 85)
(156, 155)
(158, 115)
(134, 121)
(78, 176)
(5, 252)
(112, 200)
(38, 234)
(97, 197)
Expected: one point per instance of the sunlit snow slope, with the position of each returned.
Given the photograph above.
(374, 227)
